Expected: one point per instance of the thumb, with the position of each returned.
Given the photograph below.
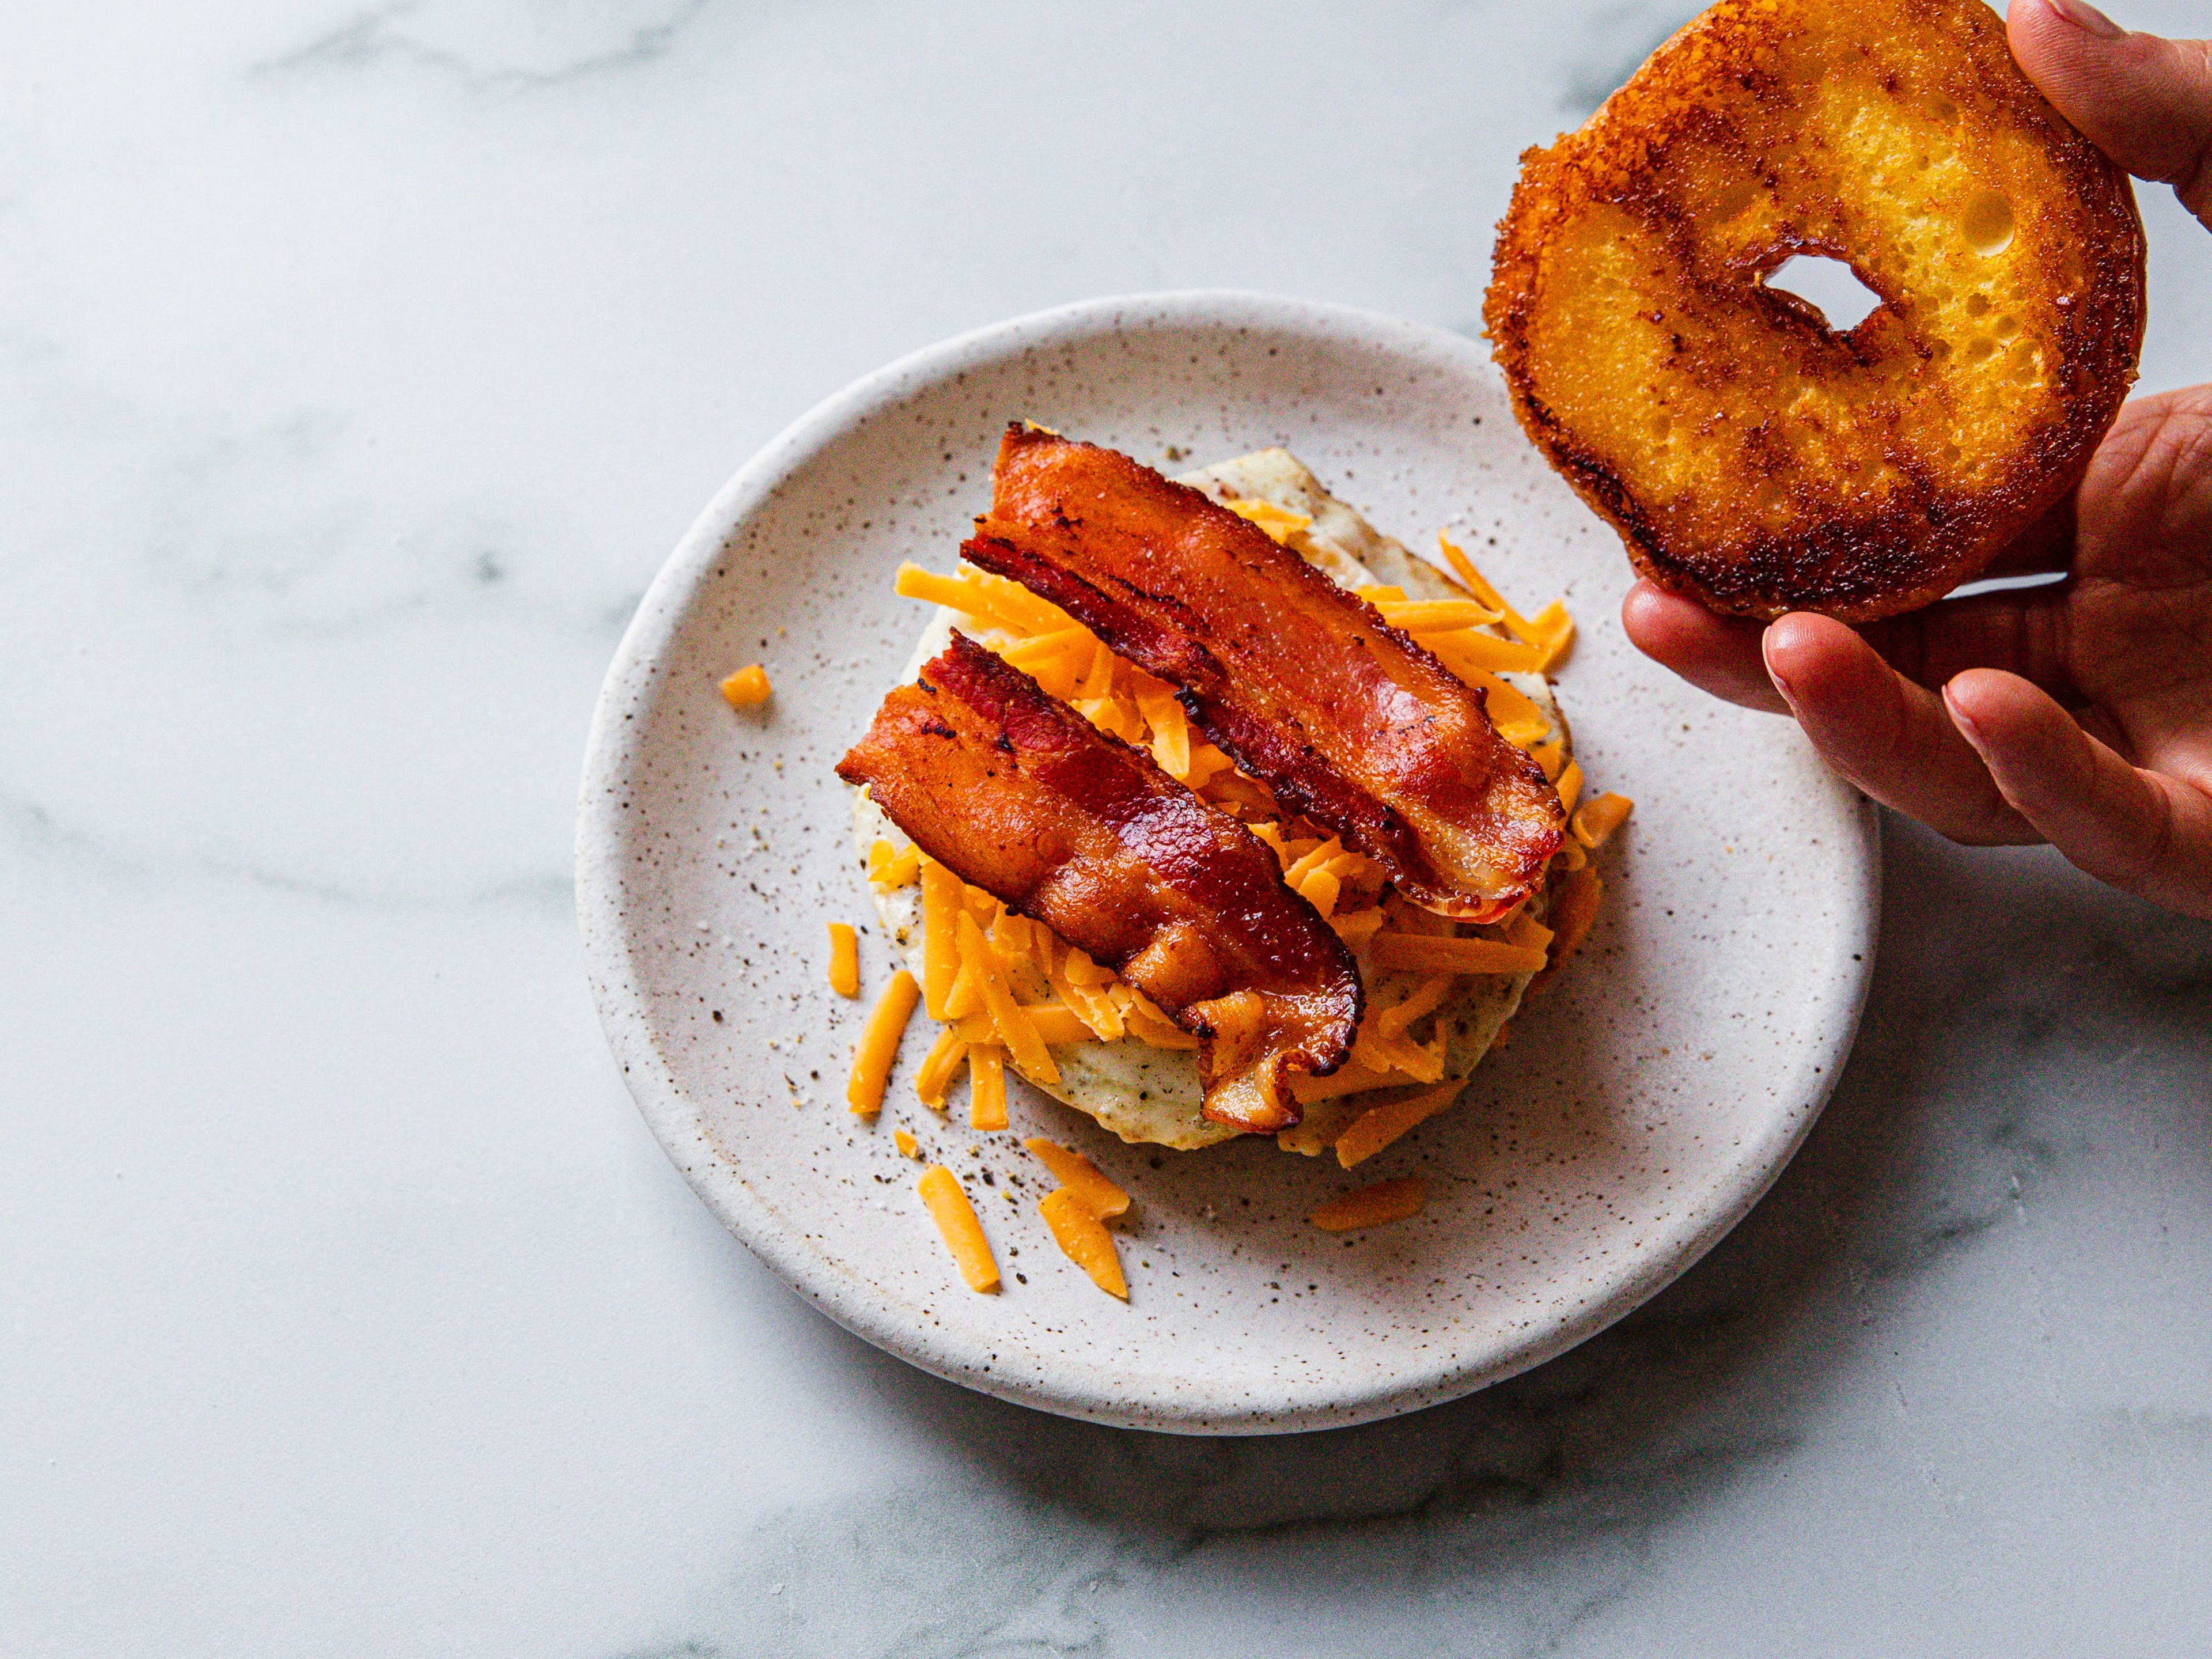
(2145, 101)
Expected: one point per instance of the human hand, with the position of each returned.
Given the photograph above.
(2078, 713)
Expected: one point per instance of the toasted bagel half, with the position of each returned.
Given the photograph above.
(1750, 456)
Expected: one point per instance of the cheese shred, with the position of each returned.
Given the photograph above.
(940, 957)
(1016, 1029)
(956, 1220)
(1574, 907)
(890, 867)
(940, 1067)
(1418, 953)
(844, 959)
(748, 688)
(1372, 1206)
(1083, 1239)
(1378, 1126)
(1079, 1174)
(878, 1044)
(986, 1087)
(1599, 818)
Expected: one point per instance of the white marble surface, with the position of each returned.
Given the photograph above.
(357, 366)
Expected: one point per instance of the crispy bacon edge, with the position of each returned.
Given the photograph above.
(1034, 538)
(934, 760)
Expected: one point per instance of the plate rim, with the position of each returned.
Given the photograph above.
(622, 1007)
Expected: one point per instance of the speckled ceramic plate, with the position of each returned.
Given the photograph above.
(1643, 1106)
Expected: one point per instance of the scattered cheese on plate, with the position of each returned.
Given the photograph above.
(1372, 1206)
(1079, 1174)
(1378, 1126)
(1083, 1239)
(844, 959)
(956, 1219)
(747, 688)
(880, 1040)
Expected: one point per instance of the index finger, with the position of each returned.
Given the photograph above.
(2023, 633)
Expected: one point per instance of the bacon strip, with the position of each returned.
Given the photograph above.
(1302, 684)
(1020, 795)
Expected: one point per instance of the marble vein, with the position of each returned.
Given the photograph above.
(36, 834)
(484, 54)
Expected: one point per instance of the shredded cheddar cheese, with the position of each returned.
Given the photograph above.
(956, 1220)
(1083, 1239)
(987, 1086)
(1418, 954)
(1393, 1021)
(908, 1146)
(940, 1067)
(844, 959)
(1569, 784)
(880, 1040)
(1553, 631)
(1599, 818)
(981, 961)
(748, 688)
(940, 958)
(1372, 1206)
(1279, 522)
(1525, 930)
(1080, 1175)
(1055, 1024)
(1434, 615)
(1519, 721)
(1143, 1016)
(1352, 1077)
(890, 867)
(1378, 1126)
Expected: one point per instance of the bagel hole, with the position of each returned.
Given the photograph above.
(1829, 286)
(2006, 583)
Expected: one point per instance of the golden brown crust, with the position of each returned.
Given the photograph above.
(1749, 456)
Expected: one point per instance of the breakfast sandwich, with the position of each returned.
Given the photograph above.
(1213, 810)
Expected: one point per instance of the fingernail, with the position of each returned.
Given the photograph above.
(1766, 661)
(2083, 15)
(1962, 720)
